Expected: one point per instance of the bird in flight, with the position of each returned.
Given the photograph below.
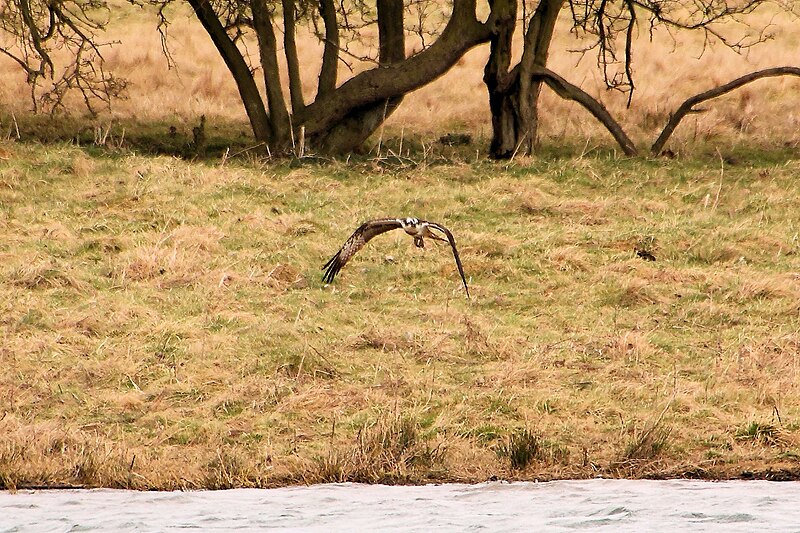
(419, 229)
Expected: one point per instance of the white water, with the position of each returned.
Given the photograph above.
(604, 505)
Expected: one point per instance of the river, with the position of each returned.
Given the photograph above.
(599, 504)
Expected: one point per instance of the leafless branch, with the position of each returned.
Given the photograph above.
(569, 91)
(688, 106)
(41, 27)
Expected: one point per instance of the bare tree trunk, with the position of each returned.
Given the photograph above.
(248, 90)
(330, 55)
(501, 84)
(535, 52)
(341, 117)
(268, 48)
(514, 94)
(369, 96)
(292, 61)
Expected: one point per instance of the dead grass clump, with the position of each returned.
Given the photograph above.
(145, 263)
(764, 434)
(306, 364)
(583, 211)
(415, 342)
(204, 239)
(714, 250)
(513, 371)
(102, 246)
(534, 203)
(523, 448)
(647, 445)
(766, 288)
(88, 325)
(50, 455)
(280, 277)
(57, 231)
(568, 259)
(493, 246)
(284, 276)
(293, 225)
(476, 340)
(81, 166)
(386, 340)
(630, 293)
(389, 451)
(232, 467)
(169, 267)
(578, 210)
(631, 346)
(7, 150)
(45, 274)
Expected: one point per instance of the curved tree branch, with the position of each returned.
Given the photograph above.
(688, 106)
(36, 37)
(568, 91)
(463, 32)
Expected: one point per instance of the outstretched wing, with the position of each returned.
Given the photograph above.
(452, 241)
(355, 242)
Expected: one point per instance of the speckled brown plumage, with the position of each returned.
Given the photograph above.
(366, 231)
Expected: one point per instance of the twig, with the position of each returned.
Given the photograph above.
(302, 141)
(16, 126)
(721, 175)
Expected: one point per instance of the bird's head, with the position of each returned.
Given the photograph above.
(406, 222)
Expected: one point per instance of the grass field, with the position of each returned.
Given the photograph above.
(164, 323)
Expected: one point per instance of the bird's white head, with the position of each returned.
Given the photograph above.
(409, 222)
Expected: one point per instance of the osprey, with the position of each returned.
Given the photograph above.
(415, 227)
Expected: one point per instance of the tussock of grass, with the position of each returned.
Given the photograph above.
(164, 324)
(761, 433)
(389, 451)
(521, 449)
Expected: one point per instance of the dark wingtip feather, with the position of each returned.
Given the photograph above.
(452, 242)
(332, 267)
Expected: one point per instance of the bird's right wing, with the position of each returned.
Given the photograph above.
(355, 242)
(452, 241)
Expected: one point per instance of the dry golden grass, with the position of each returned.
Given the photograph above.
(164, 324)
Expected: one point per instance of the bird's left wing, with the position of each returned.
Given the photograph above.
(355, 242)
(452, 241)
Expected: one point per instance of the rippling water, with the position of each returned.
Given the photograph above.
(605, 505)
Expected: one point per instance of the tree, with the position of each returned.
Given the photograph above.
(514, 91)
(39, 30)
(340, 116)
(342, 113)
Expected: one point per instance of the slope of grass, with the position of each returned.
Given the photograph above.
(164, 323)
